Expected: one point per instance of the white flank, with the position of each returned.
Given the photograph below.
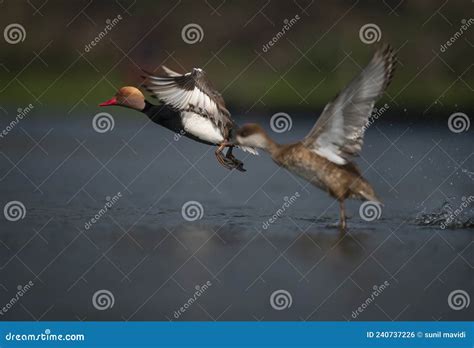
(202, 128)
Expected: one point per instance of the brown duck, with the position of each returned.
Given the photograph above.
(324, 156)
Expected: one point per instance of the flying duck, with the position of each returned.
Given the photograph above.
(324, 156)
(188, 105)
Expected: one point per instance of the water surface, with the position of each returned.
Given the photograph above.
(152, 260)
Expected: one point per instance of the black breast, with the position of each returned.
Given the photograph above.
(165, 116)
(169, 118)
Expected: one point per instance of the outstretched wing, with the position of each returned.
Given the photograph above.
(338, 133)
(190, 92)
(167, 71)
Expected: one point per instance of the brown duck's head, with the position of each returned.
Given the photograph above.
(252, 135)
(129, 97)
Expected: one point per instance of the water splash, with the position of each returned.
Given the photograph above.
(450, 215)
(468, 173)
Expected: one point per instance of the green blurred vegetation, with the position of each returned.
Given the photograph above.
(306, 67)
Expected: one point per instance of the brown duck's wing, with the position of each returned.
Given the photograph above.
(191, 92)
(338, 133)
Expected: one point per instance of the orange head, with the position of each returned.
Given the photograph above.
(129, 97)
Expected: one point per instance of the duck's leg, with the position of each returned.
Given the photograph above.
(239, 165)
(224, 161)
(342, 216)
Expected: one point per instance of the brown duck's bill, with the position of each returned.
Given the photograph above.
(112, 101)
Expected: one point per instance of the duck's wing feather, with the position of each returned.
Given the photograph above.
(167, 71)
(191, 92)
(338, 133)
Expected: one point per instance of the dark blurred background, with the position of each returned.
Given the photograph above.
(306, 67)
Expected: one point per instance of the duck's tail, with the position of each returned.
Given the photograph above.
(364, 191)
(248, 149)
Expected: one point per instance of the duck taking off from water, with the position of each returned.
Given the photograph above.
(189, 106)
(324, 156)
